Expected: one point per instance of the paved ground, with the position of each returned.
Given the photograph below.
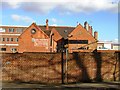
(78, 86)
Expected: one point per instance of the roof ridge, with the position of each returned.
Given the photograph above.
(58, 26)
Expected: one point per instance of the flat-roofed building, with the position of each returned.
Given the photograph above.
(108, 45)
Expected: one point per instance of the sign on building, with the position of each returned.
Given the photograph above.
(41, 42)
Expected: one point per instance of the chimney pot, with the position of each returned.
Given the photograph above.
(90, 30)
(86, 25)
(96, 35)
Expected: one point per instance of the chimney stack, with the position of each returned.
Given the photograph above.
(86, 25)
(47, 27)
(90, 30)
(96, 35)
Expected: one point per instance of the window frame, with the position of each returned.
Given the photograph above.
(3, 49)
(16, 39)
(11, 39)
(13, 49)
(78, 41)
(19, 30)
(7, 39)
(3, 30)
(11, 30)
(3, 39)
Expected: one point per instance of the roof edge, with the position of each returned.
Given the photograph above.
(12, 26)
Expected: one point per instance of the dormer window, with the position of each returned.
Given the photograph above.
(65, 31)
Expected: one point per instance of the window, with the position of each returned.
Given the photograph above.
(78, 41)
(7, 39)
(33, 31)
(116, 44)
(13, 49)
(19, 30)
(84, 48)
(65, 31)
(51, 41)
(3, 39)
(3, 49)
(11, 39)
(2, 29)
(11, 29)
(16, 39)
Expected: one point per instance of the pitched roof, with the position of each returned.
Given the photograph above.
(43, 28)
(62, 30)
(34, 24)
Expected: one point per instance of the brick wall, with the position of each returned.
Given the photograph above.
(46, 68)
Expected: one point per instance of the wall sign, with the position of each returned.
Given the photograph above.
(41, 42)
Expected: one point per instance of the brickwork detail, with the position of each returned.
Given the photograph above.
(46, 68)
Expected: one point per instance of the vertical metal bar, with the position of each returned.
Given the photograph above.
(62, 64)
(66, 64)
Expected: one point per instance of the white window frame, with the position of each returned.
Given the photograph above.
(13, 50)
(2, 30)
(16, 39)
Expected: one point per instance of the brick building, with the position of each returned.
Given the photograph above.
(45, 38)
(9, 38)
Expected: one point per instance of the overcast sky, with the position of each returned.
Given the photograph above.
(102, 15)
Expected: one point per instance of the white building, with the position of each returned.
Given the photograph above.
(108, 45)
